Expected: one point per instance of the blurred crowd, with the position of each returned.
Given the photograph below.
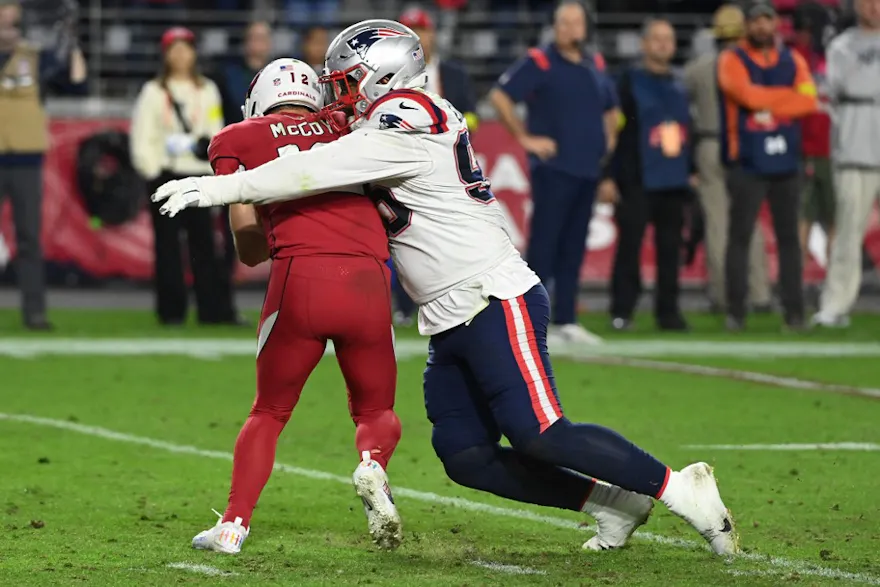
(695, 152)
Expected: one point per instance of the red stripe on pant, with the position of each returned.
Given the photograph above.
(513, 311)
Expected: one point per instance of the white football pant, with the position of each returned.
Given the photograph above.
(857, 190)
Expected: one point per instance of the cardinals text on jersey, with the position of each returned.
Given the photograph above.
(339, 222)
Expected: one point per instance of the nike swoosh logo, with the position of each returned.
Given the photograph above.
(403, 106)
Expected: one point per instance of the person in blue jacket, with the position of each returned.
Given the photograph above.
(652, 167)
(566, 135)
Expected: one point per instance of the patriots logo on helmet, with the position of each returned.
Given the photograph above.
(366, 39)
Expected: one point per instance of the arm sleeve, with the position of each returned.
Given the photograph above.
(805, 100)
(690, 79)
(215, 120)
(836, 73)
(364, 156)
(735, 84)
(520, 80)
(627, 125)
(470, 95)
(55, 75)
(147, 148)
(612, 100)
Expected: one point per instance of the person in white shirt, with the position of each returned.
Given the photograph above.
(174, 118)
(489, 372)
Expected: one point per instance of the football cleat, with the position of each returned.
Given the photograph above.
(692, 494)
(371, 484)
(561, 334)
(618, 513)
(830, 320)
(225, 537)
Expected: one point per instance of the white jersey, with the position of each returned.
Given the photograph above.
(448, 236)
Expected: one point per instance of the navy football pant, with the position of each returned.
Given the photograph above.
(492, 378)
(562, 207)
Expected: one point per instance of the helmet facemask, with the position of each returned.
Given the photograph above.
(343, 93)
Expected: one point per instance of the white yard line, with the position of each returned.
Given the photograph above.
(508, 569)
(417, 347)
(794, 566)
(857, 446)
(750, 376)
(201, 569)
(622, 353)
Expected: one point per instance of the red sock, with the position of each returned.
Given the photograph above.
(378, 434)
(251, 465)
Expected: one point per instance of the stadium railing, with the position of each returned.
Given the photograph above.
(121, 44)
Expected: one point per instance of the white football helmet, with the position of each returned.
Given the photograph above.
(283, 82)
(369, 59)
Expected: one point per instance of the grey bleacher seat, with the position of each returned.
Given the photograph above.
(213, 42)
(117, 39)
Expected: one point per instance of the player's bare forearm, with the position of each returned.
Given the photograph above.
(611, 121)
(251, 247)
(247, 232)
(506, 109)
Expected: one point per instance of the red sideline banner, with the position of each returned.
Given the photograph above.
(127, 251)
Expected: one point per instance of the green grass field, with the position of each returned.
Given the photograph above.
(116, 435)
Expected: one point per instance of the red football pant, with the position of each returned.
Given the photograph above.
(310, 300)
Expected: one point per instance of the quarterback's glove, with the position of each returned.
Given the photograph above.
(180, 194)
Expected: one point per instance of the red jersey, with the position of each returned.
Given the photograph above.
(335, 223)
(816, 127)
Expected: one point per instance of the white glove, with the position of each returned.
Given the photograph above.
(178, 144)
(180, 194)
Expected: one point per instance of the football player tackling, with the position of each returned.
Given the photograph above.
(328, 281)
(489, 372)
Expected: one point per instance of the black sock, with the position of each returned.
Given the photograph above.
(600, 453)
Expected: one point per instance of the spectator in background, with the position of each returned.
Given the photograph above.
(175, 116)
(25, 74)
(854, 87)
(700, 79)
(445, 77)
(566, 140)
(313, 47)
(652, 167)
(811, 20)
(234, 77)
(303, 13)
(765, 89)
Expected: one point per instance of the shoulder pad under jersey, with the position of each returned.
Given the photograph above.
(407, 111)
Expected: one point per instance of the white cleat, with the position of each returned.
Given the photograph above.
(618, 513)
(371, 484)
(225, 537)
(692, 494)
(572, 334)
